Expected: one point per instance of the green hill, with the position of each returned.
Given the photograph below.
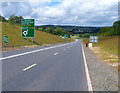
(15, 39)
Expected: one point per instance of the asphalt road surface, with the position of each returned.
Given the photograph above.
(53, 68)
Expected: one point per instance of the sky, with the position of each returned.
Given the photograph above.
(64, 12)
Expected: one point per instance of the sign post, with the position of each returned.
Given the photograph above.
(28, 26)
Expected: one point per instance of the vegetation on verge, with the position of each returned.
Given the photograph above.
(12, 29)
(110, 31)
(105, 31)
(15, 39)
(16, 20)
(106, 48)
(107, 45)
(54, 30)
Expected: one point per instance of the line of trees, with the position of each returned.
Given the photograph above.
(110, 31)
(16, 20)
(54, 30)
(2, 19)
(106, 31)
(12, 19)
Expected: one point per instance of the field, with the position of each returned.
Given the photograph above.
(15, 39)
(106, 48)
(109, 44)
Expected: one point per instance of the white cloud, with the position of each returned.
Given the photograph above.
(114, 17)
(79, 12)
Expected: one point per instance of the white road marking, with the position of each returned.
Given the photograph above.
(68, 47)
(29, 67)
(55, 54)
(64, 49)
(87, 72)
(21, 54)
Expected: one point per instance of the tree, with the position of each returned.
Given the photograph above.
(59, 31)
(2, 19)
(40, 29)
(116, 26)
(15, 19)
(18, 19)
(49, 30)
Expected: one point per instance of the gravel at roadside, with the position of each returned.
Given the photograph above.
(103, 76)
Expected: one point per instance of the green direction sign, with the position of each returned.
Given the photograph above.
(66, 35)
(28, 27)
(5, 39)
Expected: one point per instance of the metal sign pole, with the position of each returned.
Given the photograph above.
(27, 38)
(32, 39)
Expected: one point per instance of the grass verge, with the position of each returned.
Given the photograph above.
(106, 48)
(15, 39)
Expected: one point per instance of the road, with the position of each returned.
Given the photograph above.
(53, 68)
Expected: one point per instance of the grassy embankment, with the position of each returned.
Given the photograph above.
(106, 48)
(15, 39)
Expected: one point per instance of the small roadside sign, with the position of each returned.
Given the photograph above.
(28, 27)
(93, 39)
(5, 39)
(66, 35)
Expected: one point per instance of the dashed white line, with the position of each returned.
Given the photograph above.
(29, 67)
(25, 53)
(55, 54)
(64, 49)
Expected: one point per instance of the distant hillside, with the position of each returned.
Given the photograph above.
(15, 39)
(110, 31)
(73, 29)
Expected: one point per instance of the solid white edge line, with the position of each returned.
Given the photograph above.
(87, 72)
(21, 54)
(29, 67)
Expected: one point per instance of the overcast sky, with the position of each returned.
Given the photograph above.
(65, 12)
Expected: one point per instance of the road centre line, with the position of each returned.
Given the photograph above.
(55, 54)
(21, 54)
(29, 67)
